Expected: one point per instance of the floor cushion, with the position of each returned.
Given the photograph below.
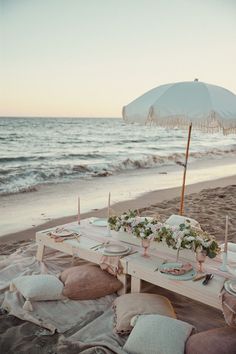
(88, 282)
(213, 341)
(229, 308)
(40, 287)
(129, 305)
(158, 334)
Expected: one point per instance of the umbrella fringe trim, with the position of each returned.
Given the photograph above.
(210, 124)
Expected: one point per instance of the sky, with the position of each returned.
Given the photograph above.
(89, 58)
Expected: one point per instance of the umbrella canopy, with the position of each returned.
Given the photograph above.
(208, 107)
(183, 105)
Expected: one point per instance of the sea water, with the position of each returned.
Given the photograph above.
(36, 151)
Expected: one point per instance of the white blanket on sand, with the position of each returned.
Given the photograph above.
(54, 315)
(88, 323)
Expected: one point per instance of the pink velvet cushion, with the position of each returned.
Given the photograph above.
(88, 282)
(229, 308)
(213, 341)
(129, 305)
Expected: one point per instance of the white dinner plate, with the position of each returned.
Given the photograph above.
(227, 287)
(112, 254)
(62, 233)
(113, 248)
(232, 286)
(100, 222)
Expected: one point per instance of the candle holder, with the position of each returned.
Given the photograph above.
(108, 231)
(223, 266)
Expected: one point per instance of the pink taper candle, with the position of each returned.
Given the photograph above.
(78, 210)
(109, 205)
(226, 233)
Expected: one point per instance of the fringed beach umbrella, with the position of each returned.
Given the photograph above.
(206, 107)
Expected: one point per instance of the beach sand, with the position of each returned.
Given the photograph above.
(207, 202)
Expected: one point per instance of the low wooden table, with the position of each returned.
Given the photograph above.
(135, 265)
(81, 247)
(140, 268)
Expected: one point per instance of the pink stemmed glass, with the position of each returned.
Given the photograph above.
(201, 257)
(145, 245)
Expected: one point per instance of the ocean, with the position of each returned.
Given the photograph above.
(36, 151)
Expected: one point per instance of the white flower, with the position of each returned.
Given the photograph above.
(206, 243)
(188, 246)
(189, 238)
(178, 244)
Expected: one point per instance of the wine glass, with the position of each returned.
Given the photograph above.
(201, 257)
(145, 245)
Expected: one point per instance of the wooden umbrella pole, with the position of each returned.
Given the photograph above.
(185, 170)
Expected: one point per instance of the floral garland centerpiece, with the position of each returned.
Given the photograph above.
(178, 237)
(133, 223)
(145, 228)
(184, 236)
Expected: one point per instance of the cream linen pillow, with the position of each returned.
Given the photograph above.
(40, 287)
(130, 305)
(158, 334)
(176, 220)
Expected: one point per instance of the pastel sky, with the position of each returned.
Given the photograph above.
(90, 57)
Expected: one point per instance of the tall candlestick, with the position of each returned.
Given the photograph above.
(78, 210)
(109, 205)
(226, 233)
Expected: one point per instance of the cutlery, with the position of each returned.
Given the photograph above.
(164, 262)
(102, 245)
(94, 247)
(199, 277)
(208, 277)
(129, 254)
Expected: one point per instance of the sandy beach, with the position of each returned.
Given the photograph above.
(207, 202)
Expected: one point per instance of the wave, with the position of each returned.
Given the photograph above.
(83, 156)
(10, 159)
(22, 158)
(25, 179)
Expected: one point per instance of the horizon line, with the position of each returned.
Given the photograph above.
(63, 117)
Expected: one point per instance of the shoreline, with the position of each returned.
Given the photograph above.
(145, 200)
(24, 211)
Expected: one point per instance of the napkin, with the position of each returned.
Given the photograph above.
(111, 264)
(184, 268)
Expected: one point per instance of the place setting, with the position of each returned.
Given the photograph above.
(100, 222)
(112, 249)
(178, 271)
(61, 234)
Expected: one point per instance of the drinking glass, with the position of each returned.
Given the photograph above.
(145, 245)
(201, 257)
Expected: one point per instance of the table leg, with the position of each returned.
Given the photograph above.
(39, 253)
(123, 279)
(135, 285)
